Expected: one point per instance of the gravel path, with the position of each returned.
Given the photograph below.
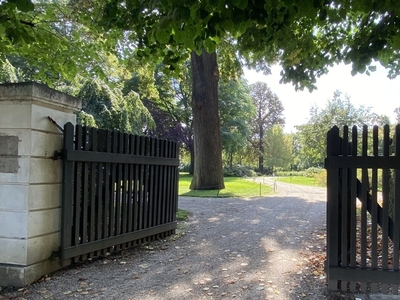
(255, 248)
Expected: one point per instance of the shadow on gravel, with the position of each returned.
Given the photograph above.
(256, 248)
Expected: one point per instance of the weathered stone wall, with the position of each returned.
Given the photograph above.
(30, 180)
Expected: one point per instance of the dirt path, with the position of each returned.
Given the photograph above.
(254, 248)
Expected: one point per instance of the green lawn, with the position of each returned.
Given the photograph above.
(234, 187)
(299, 180)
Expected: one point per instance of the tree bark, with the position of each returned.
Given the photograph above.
(208, 173)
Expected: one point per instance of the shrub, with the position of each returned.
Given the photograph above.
(184, 167)
(311, 172)
(238, 171)
(320, 178)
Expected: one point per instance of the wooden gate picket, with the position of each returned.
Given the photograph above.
(118, 191)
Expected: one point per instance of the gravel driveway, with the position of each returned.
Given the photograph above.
(256, 248)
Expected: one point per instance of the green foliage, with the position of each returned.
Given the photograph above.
(236, 114)
(311, 172)
(112, 110)
(312, 136)
(269, 110)
(239, 171)
(277, 148)
(306, 36)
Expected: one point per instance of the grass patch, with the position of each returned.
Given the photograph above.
(182, 215)
(234, 187)
(309, 181)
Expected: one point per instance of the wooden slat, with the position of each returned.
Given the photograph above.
(99, 187)
(146, 149)
(85, 196)
(92, 139)
(353, 208)
(118, 194)
(385, 207)
(157, 188)
(67, 192)
(151, 187)
(361, 161)
(332, 205)
(364, 275)
(374, 211)
(364, 195)
(107, 193)
(140, 187)
(78, 191)
(116, 240)
(124, 188)
(396, 210)
(130, 188)
(89, 156)
(343, 214)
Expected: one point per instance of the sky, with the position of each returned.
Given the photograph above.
(376, 91)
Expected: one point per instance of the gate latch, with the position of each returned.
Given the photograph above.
(57, 155)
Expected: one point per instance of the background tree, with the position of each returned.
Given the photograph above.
(269, 112)
(237, 112)
(277, 148)
(112, 110)
(338, 111)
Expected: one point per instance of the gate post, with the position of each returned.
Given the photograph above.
(30, 179)
(332, 212)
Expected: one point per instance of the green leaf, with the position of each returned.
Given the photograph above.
(227, 25)
(23, 5)
(162, 36)
(242, 4)
(210, 46)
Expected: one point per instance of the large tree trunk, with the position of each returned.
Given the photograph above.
(191, 153)
(208, 173)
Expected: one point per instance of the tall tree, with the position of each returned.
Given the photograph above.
(269, 112)
(277, 148)
(338, 111)
(237, 112)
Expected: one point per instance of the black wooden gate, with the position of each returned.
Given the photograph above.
(363, 214)
(119, 190)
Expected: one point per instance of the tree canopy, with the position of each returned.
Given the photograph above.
(306, 36)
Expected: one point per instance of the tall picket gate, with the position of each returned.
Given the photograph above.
(119, 190)
(363, 210)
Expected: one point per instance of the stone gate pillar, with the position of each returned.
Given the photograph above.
(30, 180)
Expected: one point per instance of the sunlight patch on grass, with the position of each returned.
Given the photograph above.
(234, 187)
(309, 181)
